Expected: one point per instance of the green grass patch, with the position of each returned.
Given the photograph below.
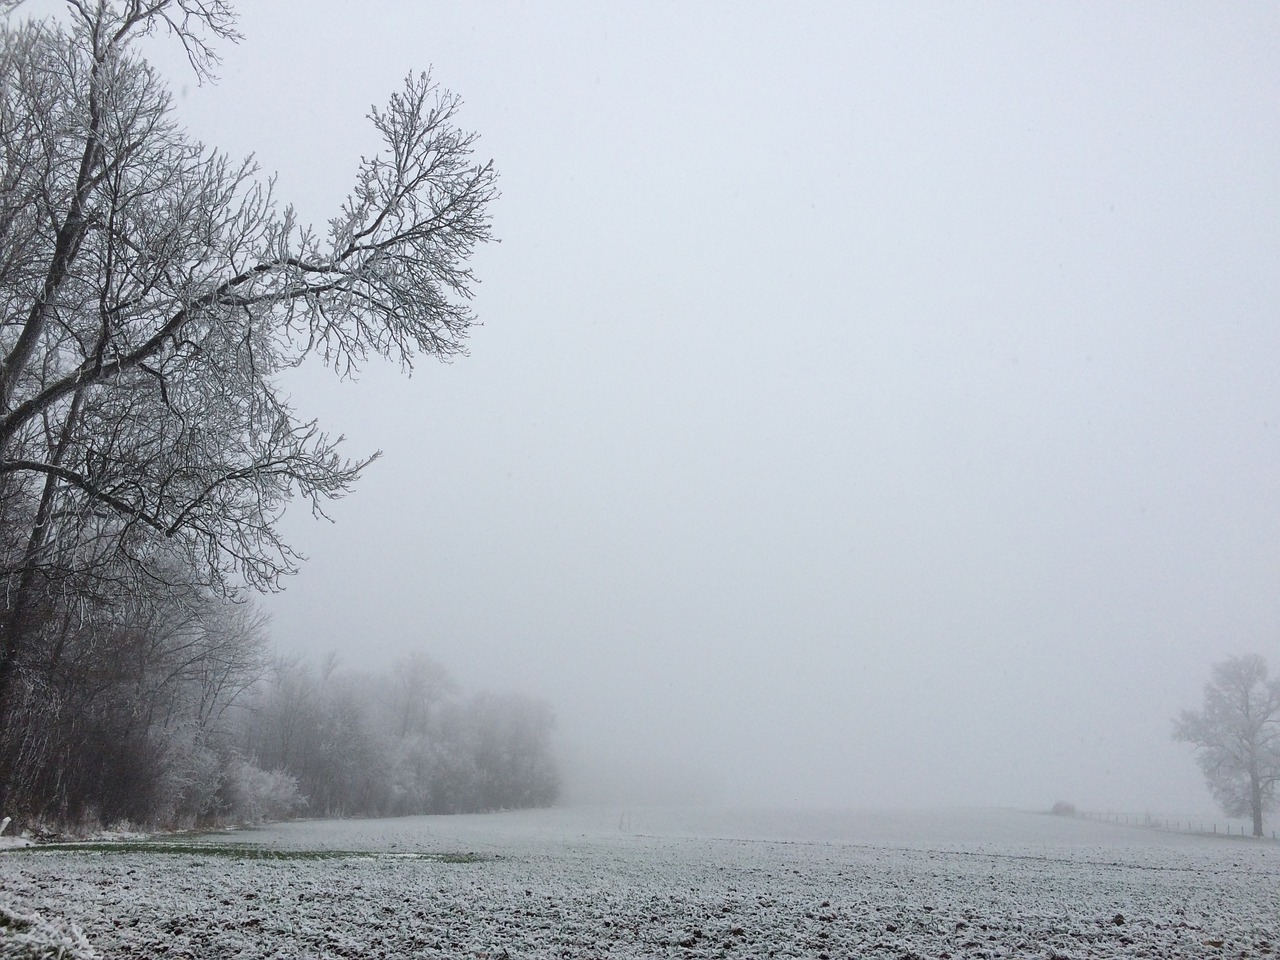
(236, 851)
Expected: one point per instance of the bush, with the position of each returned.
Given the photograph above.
(1063, 809)
(253, 794)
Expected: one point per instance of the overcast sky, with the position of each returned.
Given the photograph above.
(875, 404)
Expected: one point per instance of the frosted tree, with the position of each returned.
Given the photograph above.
(1237, 737)
(151, 292)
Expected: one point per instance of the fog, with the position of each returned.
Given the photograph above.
(876, 404)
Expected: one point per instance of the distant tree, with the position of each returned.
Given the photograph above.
(151, 292)
(420, 685)
(1237, 737)
(510, 738)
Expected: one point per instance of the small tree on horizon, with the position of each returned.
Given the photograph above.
(1237, 737)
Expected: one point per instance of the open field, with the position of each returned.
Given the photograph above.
(618, 883)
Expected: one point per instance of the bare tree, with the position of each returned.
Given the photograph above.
(421, 684)
(1237, 737)
(152, 290)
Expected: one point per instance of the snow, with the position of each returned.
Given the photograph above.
(29, 936)
(619, 883)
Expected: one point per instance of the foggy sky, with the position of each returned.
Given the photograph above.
(875, 404)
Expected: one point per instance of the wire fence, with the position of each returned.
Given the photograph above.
(1200, 825)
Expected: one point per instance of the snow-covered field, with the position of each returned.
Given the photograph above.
(622, 883)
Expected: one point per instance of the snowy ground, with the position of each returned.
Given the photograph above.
(617, 883)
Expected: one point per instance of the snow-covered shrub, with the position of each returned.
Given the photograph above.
(189, 774)
(253, 794)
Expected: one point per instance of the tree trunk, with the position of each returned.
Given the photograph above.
(1255, 801)
(14, 623)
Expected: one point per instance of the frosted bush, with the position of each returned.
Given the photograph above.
(255, 794)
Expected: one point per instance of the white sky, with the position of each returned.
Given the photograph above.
(876, 403)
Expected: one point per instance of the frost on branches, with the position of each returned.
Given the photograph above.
(151, 291)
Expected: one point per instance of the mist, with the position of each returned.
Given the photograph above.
(875, 405)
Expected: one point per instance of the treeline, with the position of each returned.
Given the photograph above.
(404, 742)
(183, 718)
